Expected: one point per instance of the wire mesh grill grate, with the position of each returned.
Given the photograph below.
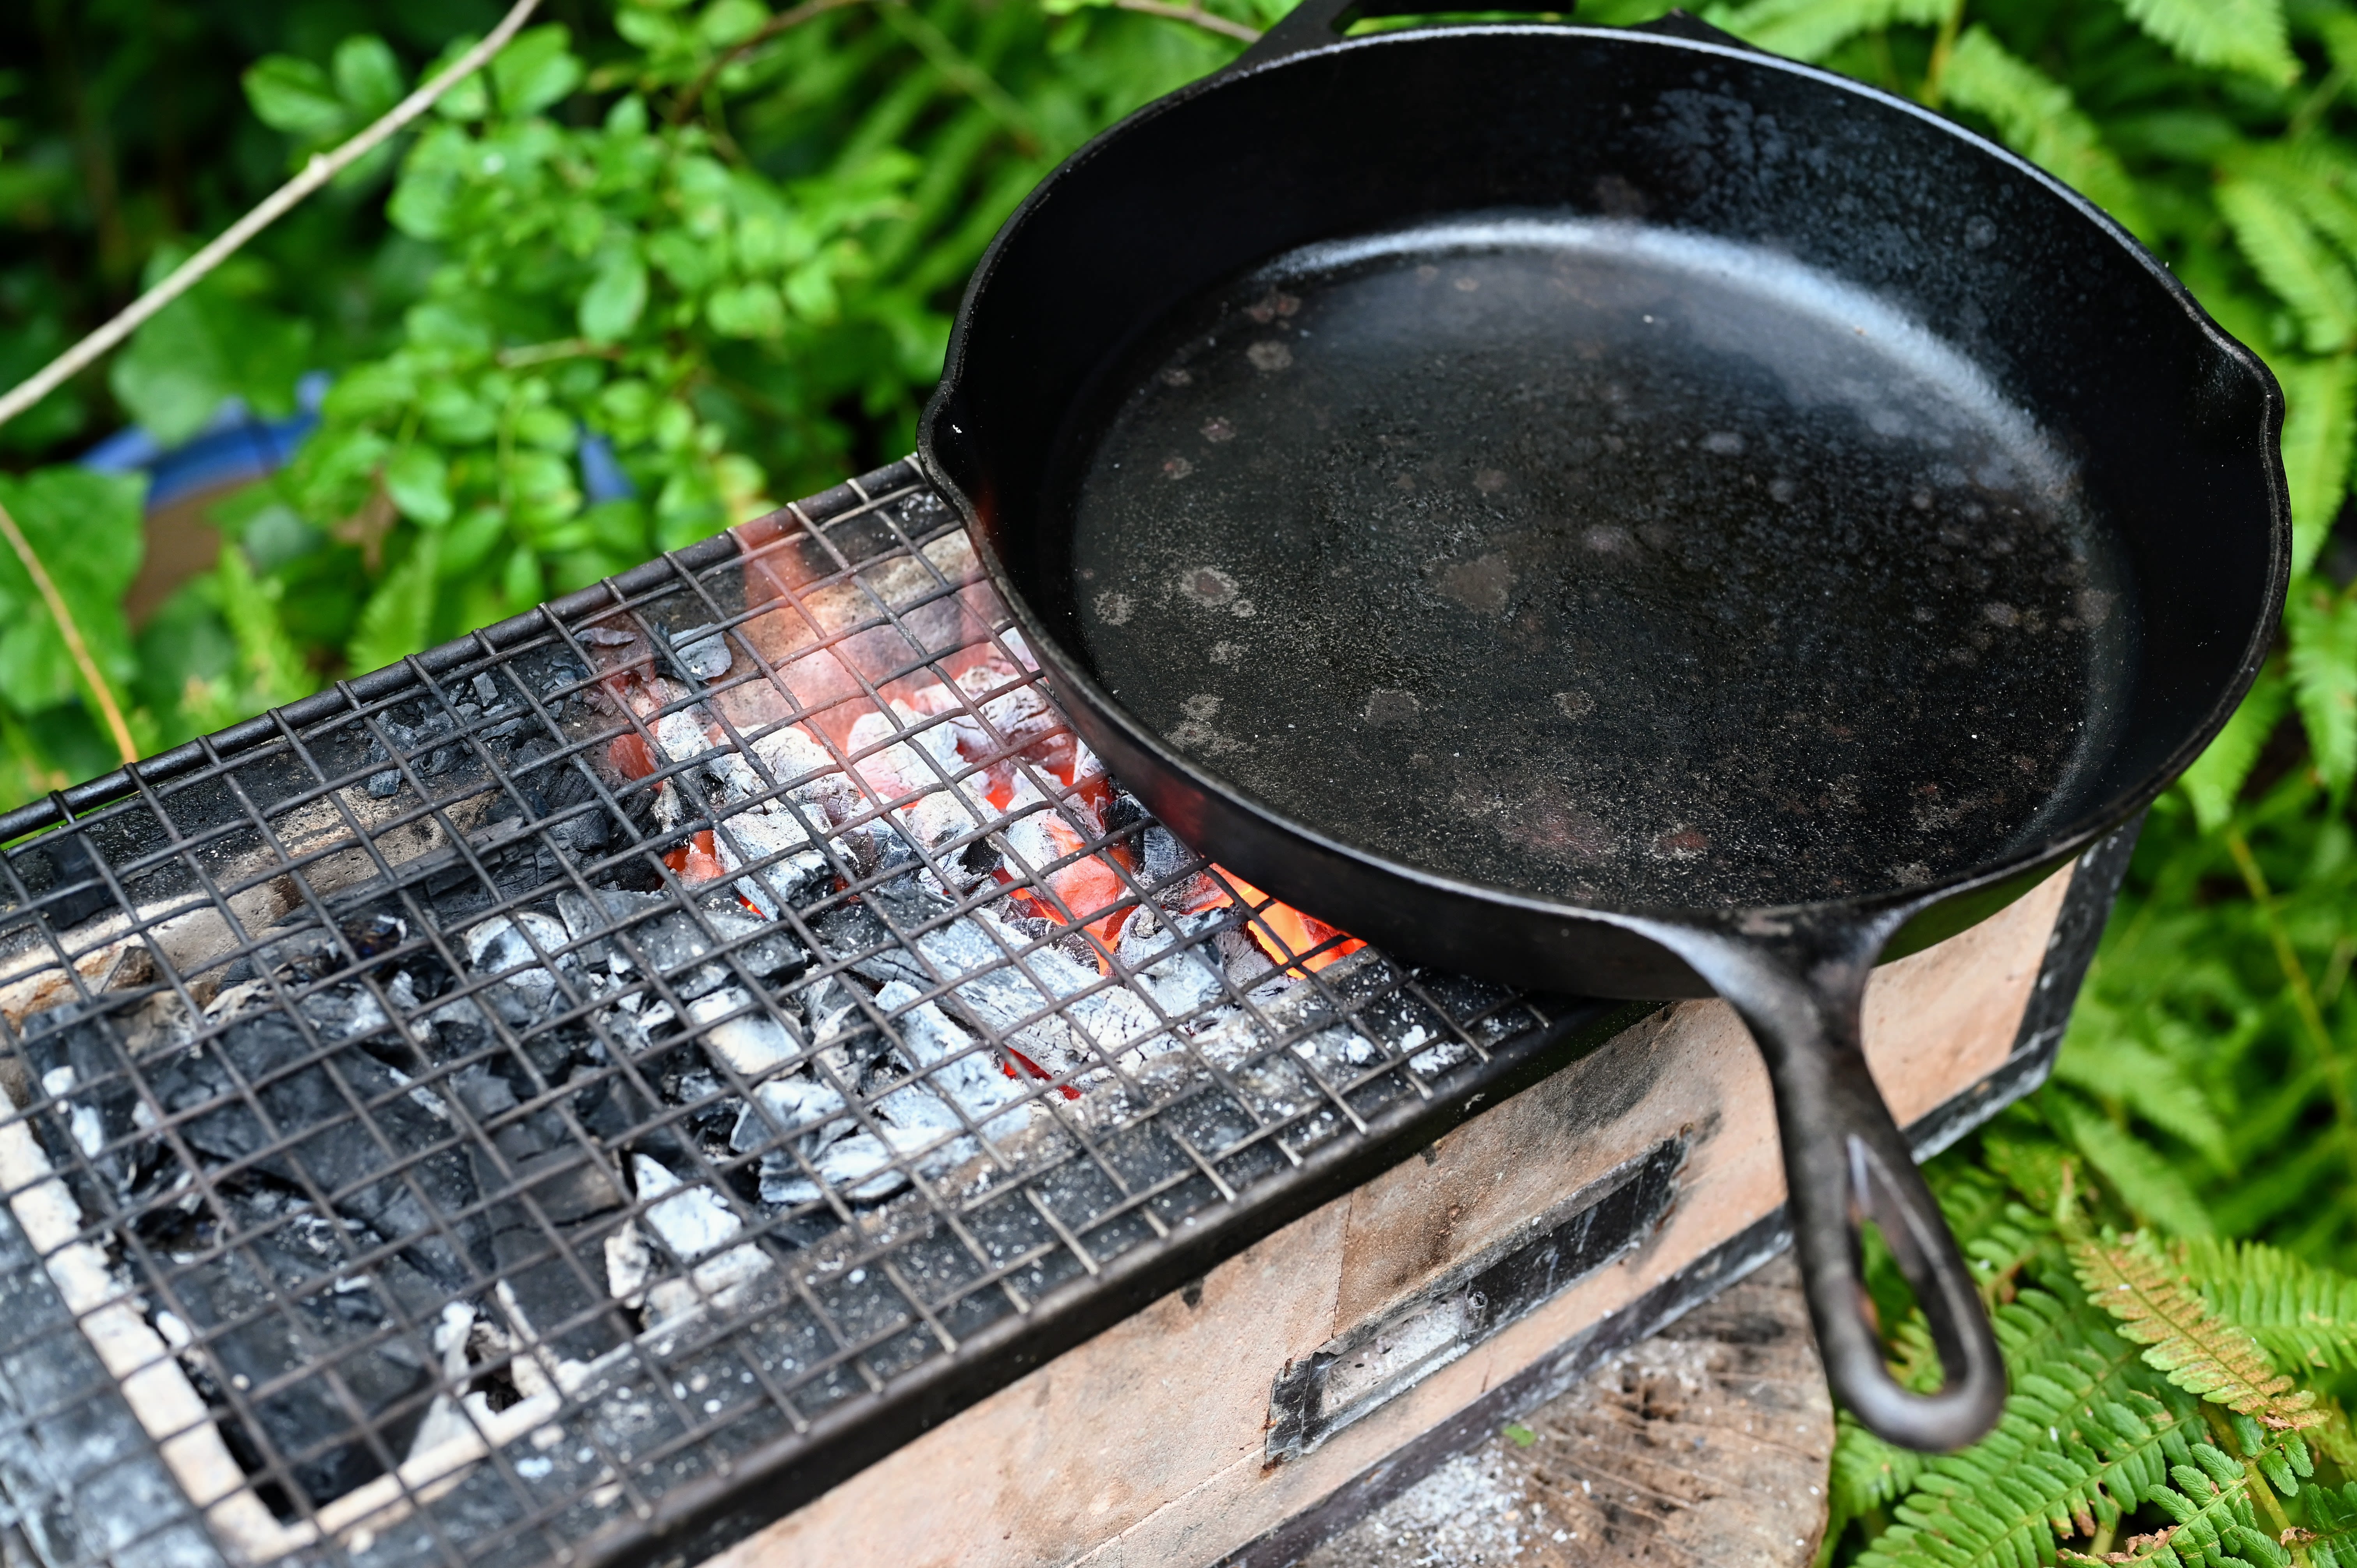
(495, 1110)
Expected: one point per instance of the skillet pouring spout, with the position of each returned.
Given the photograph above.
(1797, 978)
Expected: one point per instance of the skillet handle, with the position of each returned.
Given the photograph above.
(1316, 22)
(1800, 988)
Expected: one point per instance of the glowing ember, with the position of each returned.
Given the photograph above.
(1280, 931)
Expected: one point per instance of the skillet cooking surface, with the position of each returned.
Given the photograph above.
(1599, 561)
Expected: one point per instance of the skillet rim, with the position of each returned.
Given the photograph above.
(1898, 905)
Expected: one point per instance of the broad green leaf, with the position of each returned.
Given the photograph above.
(2036, 117)
(418, 480)
(85, 528)
(726, 23)
(399, 619)
(367, 77)
(2320, 426)
(468, 542)
(468, 99)
(2323, 633)
(203, 347)
(2293, 261)
(295, 96)
(2215, 780)
(535, 70)
(2228, 35)
(616, 296)
(1812, 29)
(455, 415)
(746, 310)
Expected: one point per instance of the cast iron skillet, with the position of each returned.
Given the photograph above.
(1624, 514)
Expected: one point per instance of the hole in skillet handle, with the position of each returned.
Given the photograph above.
(1798, 980)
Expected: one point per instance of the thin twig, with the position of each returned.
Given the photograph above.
(686, 104)
(323, 167)
(71, 632)
(2303, 995)
(1194, 14)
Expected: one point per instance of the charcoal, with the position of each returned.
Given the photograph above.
(675, 945)
(697, 1228)
(948, 1056)
(306, 1307)
(999, 997)
(527, 990)
(752, 1044)
(702, 653)
(384, 785)
(543, 1276)
(76, 1052)
(76, 890)
(339, 1156)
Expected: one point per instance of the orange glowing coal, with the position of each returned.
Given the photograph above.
(1280, 931)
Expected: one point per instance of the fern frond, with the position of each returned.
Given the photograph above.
(2211, 1516)
(2154, 1084)
(2018, 1240)
(2301, 1314)
(2038, 118)
(2330, 1536)
(2143, 1176)
(2227, 34)
(2323, 662)
(1812, 29)
(2319, 430)
(1869, 1473)
(2074, 1451)
(2198, 1352)
(2292, 260)
(2215, 780)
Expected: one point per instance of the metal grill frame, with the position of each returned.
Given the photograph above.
(698, 1489)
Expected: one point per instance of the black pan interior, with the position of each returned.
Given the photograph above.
(1600, 562)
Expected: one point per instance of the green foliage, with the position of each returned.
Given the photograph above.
(2302, 1313)
(2199, 1353)
(2232, 34)
(85, 528)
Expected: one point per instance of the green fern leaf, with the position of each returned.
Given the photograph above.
(2292, 260)
(2320, 428)
(2215, 780)
(2323, 630)
(2038, 118)
(2330, 1536)
(2073, 1451)
(2228, 35)
(1812, 29)
(2198, 1352)
(2153, 1084)
(2145, 1178)
(1869, 1473)
(2301, 1314)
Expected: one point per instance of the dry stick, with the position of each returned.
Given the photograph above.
(71, 632)
(762, 34)
(323, 167)
(783, 20)
(1195, 14)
